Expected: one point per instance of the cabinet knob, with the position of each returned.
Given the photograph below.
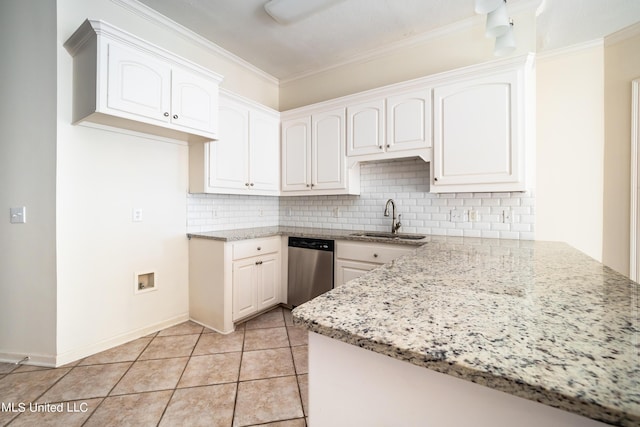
(251, 184)
(312, 185)
(259, 248)
(308, 185)
(375, 255)
(435, 179)
(246, 184)
(166, 114)
(175, 116)
(388, 145)
(380, 147)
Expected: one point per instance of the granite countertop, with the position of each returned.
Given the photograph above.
(539, 320)
(320, 233)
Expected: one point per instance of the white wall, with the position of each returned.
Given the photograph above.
(622, 65)
(570, 148)
(102, 176)
(28, 178)
(464, 44)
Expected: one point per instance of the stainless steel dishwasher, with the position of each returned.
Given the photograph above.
(310, 269)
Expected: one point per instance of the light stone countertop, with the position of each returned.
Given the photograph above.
(320, 233)
(539, 320)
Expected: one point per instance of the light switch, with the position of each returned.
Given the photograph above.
(18, 215)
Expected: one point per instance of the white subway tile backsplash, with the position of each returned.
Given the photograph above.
(406, 181)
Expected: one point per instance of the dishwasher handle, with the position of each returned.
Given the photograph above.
(315, 244)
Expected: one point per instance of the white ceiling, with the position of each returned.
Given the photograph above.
(351, 27)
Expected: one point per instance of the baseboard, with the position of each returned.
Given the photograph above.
(45, 360)
(81, 353)
(212, 328)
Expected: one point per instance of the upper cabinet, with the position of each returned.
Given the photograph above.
(123, 81)
(313, 155)
(246, 157)
(482, 130)
(397, 123)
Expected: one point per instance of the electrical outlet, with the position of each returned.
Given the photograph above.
(457, 215)
(473, 215)
(260, 212)
(137, 215)
(336, 212)
(18, 215)
(289, 212)
(507, 216)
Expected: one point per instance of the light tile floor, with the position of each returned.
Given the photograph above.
(185, 375)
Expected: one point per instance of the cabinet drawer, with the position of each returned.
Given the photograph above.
(255, 247)
(367, 252)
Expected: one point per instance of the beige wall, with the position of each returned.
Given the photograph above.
(622, 65)
(28, 178)
(570, 147)
(449, 51)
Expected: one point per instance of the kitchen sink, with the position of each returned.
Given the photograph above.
(398, 236)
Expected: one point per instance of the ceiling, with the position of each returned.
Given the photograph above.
(351, 27)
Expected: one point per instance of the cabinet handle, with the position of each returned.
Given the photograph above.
(375, 255)
(258, 262)
(259, 248)
(175, 116)
(166, 114)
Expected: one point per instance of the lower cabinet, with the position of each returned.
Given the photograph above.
(353, 259)
(256, 284)
(229, 281)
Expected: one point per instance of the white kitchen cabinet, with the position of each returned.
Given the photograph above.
(409, 119)
(365, 129)
(353, 259)
(313, 155)
(481, 131)
(255, 284)
(246, 157)
(120, 80)
(256, 276)
(229, 281)
(399, 122)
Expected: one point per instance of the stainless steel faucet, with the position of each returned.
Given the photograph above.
(395, 222)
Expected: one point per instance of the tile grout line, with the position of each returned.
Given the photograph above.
(173, 392)
(118, 382)
(235, 400)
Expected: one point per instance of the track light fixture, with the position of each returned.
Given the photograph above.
(499, 25)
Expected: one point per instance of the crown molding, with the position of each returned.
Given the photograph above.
(576, 48)
(157, 18)
(372, 54)
(622, 35)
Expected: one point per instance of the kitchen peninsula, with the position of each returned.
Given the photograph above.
(477, 332)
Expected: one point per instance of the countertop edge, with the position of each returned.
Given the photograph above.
(497, 382)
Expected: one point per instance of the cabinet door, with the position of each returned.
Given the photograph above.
(228, 157)
(194, 101)
(245, 296)
(328, 151)
(296, 154)
(264, 160)
(477, 140)
(348, 270)
(365, 128)
(268, 281)
(138, 84)
(409, 121)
